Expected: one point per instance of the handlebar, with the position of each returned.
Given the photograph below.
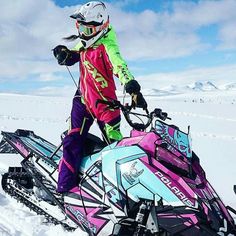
(126, 110)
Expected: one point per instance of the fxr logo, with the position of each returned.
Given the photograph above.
(174, 189)
(96, 75)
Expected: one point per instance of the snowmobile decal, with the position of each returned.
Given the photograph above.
(132, 173)
(75, 213)
(182, 193)
(176, 138)
(26, 143)
(5, 147)
(175, 190)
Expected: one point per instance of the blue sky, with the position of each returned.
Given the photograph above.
(134, 6)
(163, 41)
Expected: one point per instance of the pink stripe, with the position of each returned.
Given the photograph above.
(68, 166)
(74, 130)
(60, 164)
(94, 219)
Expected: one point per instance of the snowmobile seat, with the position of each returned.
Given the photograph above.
(93, 144)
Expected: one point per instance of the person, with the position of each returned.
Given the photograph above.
(99, 59)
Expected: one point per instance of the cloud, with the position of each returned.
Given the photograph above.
(220, 75)
(227, 35)
(172, 34)
(206, 13)
(30, 29)
(47, 77)
(54, 91)
(142, 36)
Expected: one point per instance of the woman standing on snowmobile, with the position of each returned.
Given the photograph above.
(99, 57)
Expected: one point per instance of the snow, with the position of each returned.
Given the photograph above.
(210, 111)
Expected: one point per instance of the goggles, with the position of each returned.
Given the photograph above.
(90, 30)
(87, 30)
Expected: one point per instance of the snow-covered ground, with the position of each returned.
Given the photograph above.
(210, 112)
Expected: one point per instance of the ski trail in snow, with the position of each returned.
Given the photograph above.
(4, 231)
(17, 221)
(183, 113)
(7, 218)
(214, 136)
(8, 229)
(36, 119)
(205, 134)
(5, 228)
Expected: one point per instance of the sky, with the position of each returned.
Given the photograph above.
(164, 42)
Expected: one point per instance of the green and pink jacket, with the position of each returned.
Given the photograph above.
(98, 64)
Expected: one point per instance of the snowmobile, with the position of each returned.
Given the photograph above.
(148, 184)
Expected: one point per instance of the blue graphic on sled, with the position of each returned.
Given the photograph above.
(176, 140)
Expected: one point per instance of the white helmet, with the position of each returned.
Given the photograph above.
(92, 22)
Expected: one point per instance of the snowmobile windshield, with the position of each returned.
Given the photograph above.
(177, 140)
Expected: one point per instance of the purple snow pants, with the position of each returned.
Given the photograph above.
(81, 121)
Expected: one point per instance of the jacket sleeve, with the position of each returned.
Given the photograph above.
(72, 58)
(120, 68)
(74, 55)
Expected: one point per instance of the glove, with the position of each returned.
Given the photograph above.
(132, 87)
(61, 53)
(138, 101)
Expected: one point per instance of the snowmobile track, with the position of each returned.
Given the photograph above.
(14, 189)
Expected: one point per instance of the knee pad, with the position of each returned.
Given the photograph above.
(113, 133)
